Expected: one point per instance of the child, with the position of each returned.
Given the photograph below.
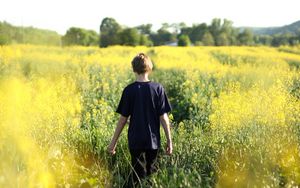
(147, 105)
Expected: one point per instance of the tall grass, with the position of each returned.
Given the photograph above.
(235, 118)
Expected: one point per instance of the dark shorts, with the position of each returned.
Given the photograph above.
(143, 163)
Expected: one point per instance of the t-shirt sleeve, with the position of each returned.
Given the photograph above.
(124, 104)
(164, 104)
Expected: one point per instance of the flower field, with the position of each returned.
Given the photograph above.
(235, 118)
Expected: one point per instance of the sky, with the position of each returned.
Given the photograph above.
(59, 15)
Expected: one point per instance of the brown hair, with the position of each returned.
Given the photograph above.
(141, 64)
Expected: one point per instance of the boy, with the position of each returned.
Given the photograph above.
(147, 105)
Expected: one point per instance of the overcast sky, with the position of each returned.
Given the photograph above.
(59, 15)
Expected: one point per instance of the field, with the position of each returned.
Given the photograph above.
(235, 118)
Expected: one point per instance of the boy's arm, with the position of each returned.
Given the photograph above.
(120, 125)
(164, 119)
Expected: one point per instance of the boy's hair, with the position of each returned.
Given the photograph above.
(141, 64)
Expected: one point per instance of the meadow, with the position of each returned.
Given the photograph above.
(235, 119)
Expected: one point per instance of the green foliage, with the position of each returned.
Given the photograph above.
(279, 40)
(198, 32)
(10, 34)
(246, 37)
(223, 33)
(215, 27)
(192, 163)
(222, 39)
(173, 79)
(109, 32)
(79, 36)
(162, 36)
(4, 39)
(184, 40)
(208, 39)
(145, 41)
(218, 33)
(263, 40)
(129, 37)
(144, 29)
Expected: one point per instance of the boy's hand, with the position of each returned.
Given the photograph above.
(169, 149)
(111, 148)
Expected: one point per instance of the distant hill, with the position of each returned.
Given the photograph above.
(10, 34)
(293, 28)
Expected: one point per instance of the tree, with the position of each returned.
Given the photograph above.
(223, 32)
(109, 32)
(176, 27)
(222, 39)
(165, 26)
(144, 29)
(197, 32)
(282, 39)
(296, 38)
(215, 28)
(79, 36)
(5, 33)
(93, 38)
(208, 39)
(145, 41)
(27, 35)
(263, 39)
(246, 37)
(130, 37)
(4, 40)
(228, 29)
(186, 31)
(184, 40)
(162, 36)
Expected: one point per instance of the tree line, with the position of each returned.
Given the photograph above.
(218, 33)
(10, 34)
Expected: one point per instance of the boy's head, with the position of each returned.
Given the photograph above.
(141, 64)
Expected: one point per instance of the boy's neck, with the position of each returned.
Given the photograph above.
(142, 77)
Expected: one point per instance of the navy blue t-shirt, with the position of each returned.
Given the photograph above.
(144, 102)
